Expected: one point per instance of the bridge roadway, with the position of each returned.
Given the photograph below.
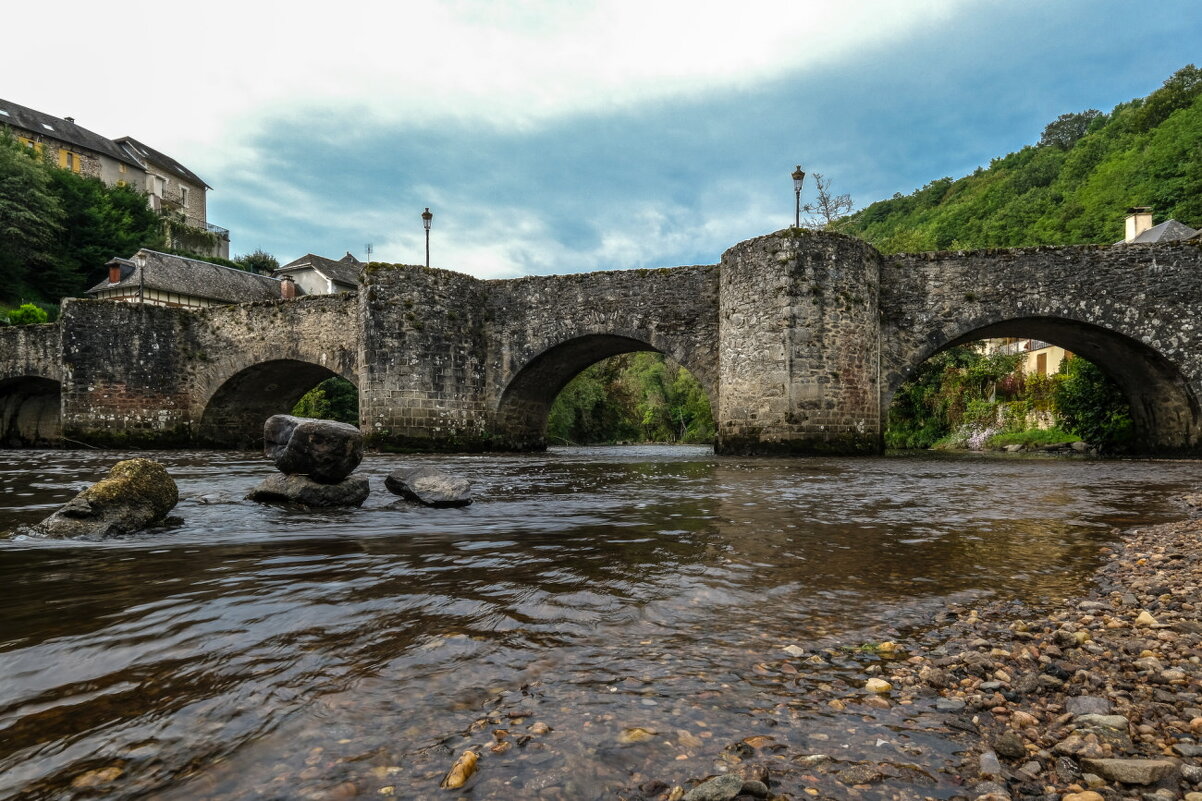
(799, 338)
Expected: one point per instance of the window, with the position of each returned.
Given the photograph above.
(121, 169)
(183, 195)
(1041, 364)
(68, 160)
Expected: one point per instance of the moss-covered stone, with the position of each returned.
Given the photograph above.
(135, 494)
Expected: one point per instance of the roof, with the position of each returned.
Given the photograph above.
(147, 153)
(63, 130)
(344, 271)
(1167, 231)
(167, 273)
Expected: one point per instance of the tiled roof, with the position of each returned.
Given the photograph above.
(147, 153)
(1167, 231)
(45, 125)
(344, 271)
(167, 273)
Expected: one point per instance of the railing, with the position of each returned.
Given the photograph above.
(1022, 346)
(224, 233)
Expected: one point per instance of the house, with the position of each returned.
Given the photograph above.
(170, 187)
(1140, 231)
(162, 279)
(316, 275)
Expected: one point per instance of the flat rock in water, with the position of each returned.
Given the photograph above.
(721, 788)
(324, 450)
(351, 491)
(135, 494)
(1131, 771)
(430, 486)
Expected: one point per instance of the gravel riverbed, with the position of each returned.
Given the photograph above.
(1087, 698)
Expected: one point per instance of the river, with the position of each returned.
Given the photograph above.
(598, 619)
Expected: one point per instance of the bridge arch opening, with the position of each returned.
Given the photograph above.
(236, 411)
(1164, 411)
(525, 407)
(30, 412)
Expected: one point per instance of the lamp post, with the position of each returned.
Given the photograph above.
(799, 175)
(426, 218)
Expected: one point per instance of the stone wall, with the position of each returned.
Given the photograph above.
(799, 346)
(423, 348)
(125, 369)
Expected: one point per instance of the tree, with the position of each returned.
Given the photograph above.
(332, 399)
(827, 207)
(1092, 406)
(1068, 128)
(31, 219)
(259, 261)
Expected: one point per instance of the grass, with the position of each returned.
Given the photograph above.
(1033, 438)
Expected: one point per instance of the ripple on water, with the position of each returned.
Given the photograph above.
(591, 589)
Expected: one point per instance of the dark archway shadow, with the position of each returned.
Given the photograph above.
(1164, 408)
(521, 417)
(234, 415)
(30, 413)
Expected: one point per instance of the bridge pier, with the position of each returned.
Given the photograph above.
(799, 346)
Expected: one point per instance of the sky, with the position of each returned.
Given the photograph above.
(553, 136)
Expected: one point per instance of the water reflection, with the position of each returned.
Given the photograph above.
(294, 653)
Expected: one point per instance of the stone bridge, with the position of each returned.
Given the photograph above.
(799, 338)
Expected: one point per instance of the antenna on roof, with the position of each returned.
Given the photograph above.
(369, 250)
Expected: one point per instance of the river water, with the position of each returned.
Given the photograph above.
(599, 619)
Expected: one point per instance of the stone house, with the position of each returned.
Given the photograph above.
(170, 187)
(162, 279)
(316, 275)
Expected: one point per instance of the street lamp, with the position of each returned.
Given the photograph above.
(426, 218)
(799, 175)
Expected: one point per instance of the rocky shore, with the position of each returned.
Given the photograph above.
(1093, 698)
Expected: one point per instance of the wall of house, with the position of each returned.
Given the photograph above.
(310, 282)
(155, 297)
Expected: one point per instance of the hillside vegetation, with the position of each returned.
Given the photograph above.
(1072, 187)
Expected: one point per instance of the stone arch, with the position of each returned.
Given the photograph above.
(234, 412)
(521, 414)
(30, 412)
(1164, 406)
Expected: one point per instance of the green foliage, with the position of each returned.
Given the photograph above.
(258, 261)
(953, 388)
(1091, 405)
(58, 229)
(332, 399)
(1032, 438)
(635, 396)
(31, 220)
(1072, 188)
(27, 314)
(1068, 128)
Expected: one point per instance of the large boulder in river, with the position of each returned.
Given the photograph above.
(430, 486)
(135, 494)
(351, 491)
(324, 450)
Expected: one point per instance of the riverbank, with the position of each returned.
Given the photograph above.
(1092, 698)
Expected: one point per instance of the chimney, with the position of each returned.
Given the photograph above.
(70, 120)
(287, 288)
(1139, 219)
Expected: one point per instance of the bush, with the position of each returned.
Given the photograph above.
(27, 314)
(1090, 405)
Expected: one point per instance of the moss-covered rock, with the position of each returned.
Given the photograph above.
(135, 494)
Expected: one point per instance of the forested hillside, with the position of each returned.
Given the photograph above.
(1072, 187)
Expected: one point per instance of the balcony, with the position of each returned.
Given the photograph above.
(223, 233)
